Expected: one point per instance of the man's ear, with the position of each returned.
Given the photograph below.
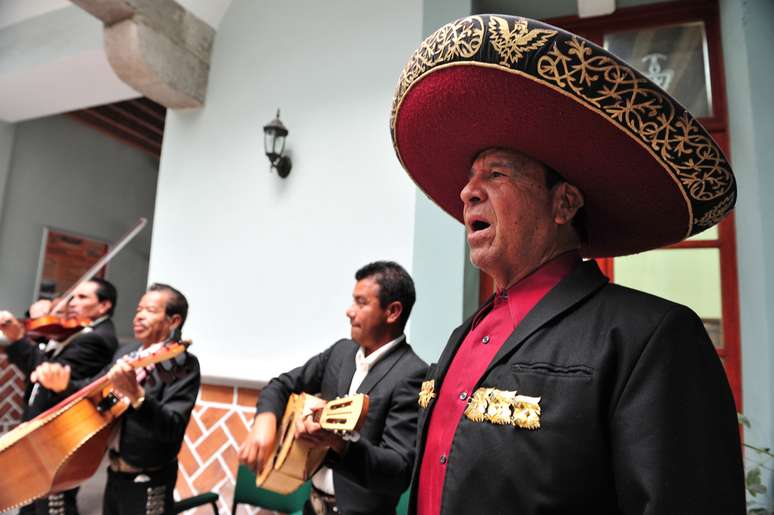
(175, 321)
(104, 307)
(568, 199)
(394, 310)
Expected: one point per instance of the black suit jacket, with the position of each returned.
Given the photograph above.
(152, 435)
(86, 354)
(637, 415)
(375, 470)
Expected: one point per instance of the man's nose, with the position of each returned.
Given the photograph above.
(350, 312)
(472, 192)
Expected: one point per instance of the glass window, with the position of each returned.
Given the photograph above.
(674, 57)
(709, 234)
(685, 276)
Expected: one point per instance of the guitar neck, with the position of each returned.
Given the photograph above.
(345, 414)
(142, 358)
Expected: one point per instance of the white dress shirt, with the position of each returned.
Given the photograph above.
(323, 479)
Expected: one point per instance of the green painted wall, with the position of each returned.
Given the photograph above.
(748, 37)
(7, 131)
(446, 283)
(66, 175)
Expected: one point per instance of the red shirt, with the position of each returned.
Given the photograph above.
(489, 331)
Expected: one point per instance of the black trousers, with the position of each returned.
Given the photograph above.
(63, 503)
(148, 493)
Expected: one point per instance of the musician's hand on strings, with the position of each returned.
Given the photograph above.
(11, 327)
(124, 380)
(40, 308)
(309, 431)
(259, 444)
(53, 376)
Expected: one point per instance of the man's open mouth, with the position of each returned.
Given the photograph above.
(479, 225)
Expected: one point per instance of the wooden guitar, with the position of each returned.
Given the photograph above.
(63, 446)
(293, 462)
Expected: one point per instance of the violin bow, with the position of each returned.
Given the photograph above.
(115, 249)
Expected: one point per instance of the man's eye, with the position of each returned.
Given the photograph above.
(495, 173)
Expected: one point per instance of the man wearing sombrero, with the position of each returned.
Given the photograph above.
(565, 394)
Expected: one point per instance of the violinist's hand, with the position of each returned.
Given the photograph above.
(259, 444)
(124, 380)
(40, 308)
(11, 327)
(312, 433)
(53, 376)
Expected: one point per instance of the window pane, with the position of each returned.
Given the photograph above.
(709, 234)
(686, 276)
(672, 56)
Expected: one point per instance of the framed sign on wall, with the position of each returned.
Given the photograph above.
(64, 258)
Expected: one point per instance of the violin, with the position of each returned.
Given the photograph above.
(55, 327)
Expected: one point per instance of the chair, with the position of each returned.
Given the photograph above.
(245, 492)
(403, 504)
(197, 500)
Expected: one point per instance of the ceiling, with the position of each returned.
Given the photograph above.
(52, 58)
(138, 122)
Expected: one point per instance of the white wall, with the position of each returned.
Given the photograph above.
(67, 175)
(267, 263)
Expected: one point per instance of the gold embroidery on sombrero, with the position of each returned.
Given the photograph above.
(512, 44)
(461, 38)
(648, 113)
(716, 214)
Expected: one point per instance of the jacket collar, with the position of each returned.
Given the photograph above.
(583, 281)
(375, 374)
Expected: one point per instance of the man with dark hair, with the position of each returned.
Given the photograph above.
(395, 284)
(367, 475)
(564, 393)
(83, 354)
(143, 459)
(176, 304)
(106, 292)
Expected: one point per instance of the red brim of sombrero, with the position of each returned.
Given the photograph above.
(650, 175)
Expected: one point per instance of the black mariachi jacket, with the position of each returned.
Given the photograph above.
(373, 472)
(151, 436)
(636, 413)
(86, 354)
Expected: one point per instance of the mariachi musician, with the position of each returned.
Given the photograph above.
(367, 475)
(565, 393)
(143, 457)
(83, 354)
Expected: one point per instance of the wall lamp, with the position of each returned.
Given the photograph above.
(274, 134)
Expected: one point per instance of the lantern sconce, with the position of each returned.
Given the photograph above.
(274, 134)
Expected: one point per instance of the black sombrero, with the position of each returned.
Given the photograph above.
(651, 175)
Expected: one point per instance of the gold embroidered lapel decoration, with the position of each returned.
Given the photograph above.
(427, 393)
(504, 407)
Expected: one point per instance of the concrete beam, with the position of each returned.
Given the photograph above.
(157, 47)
